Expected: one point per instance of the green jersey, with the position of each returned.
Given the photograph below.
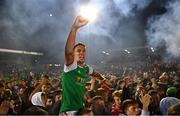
(73, 88)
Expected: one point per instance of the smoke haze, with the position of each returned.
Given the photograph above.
(43, 26)
(165, 30)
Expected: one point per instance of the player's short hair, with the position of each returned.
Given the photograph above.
(79, 44)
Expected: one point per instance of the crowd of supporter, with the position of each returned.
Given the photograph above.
(150, 90)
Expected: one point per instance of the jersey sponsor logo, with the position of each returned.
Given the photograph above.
(80, 81)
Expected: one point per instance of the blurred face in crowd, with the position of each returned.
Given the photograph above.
(23, 82)
(98, 107)
(80, 54)
(1, 90)
(21, 91)
(46, 88)
(9, 85)
(105, 95)
(117, 100)
(128, 80)
(49, 102)
(88, 86)
(146, 75)
(100, 102)
(16, 105)
(132, 110)
(57, 97)
(13, 83)
(55, 83)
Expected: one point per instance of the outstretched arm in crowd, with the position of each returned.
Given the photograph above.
(98, 76)
(69, 57)
(38, 88)
(145, 100)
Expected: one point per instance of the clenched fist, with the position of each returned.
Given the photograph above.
(79, 22)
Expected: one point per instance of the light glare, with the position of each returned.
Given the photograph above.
(19, 52)
(88, 12)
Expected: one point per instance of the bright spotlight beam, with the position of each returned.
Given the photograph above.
(20, 52)
(89, 12)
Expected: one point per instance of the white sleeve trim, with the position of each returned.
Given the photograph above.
(70, 67)
(144, 113)
(90, 70)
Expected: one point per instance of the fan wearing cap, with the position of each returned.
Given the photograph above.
(168, 101)
(171, 92)
(76, 72)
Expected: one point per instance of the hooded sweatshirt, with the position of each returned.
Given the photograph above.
(37, 100)
(166, 102)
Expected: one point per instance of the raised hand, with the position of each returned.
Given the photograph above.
(79, 22)
(145, 100)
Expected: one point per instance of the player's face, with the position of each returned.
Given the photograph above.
(80, 53)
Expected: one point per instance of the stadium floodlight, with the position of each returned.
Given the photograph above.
(20, 52)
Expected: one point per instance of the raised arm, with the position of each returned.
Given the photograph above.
(38, 88)
(145, 100)
(98, 76)
(70, 43)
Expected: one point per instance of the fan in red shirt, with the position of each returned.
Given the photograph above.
(116, 107)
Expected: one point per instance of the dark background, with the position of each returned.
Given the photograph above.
(27, 25)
